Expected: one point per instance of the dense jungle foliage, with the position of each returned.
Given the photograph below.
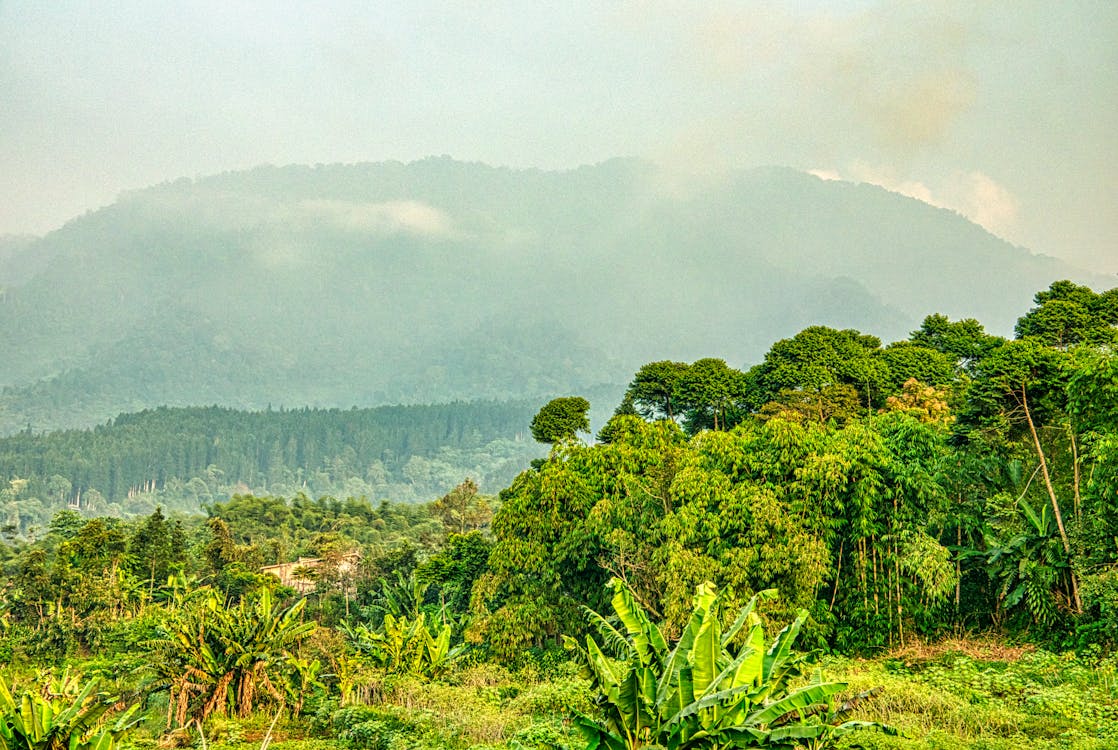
(624, 593)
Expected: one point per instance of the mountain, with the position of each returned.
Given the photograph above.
(18, 262)
(440, 280)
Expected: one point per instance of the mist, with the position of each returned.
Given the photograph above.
(1000, 111)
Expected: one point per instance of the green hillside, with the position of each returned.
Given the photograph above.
(439, 280)
(182, 458)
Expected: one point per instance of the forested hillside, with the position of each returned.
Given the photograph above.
(371, 284)
(181, 458)
(629, 591)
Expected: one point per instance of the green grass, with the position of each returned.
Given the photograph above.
(954, 696)
(1037, 700)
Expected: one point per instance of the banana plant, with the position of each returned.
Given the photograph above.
(68, 717)
(703, 692)
(225, 660)
(404, 645)
(1031, 565)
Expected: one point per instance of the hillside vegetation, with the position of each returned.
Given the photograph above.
(742, 558)
(434, 281)
(182, 458)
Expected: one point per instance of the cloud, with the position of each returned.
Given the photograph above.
(391, 217)
(287, 238)
(777, 81)
(973, 194)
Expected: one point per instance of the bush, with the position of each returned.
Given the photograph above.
(385, 728)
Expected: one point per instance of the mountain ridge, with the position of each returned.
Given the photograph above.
(340, 285)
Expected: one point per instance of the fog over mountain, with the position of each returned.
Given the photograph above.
(440, 280)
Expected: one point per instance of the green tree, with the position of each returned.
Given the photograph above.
(157, 548)
(452, 571)
(627, 408)
(711, 394)
(543, 564)
(463, 509)
(228, 660)
(66, 715)
(818, 357)
(653, 390)
(561, 419)
(907, 361)
(1018, 390)
(1067, 314)
(964, 342)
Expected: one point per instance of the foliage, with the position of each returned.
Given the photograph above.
(1067, 314)
(224, 660)
(65, 715)
(653, 389)
(704, 692)
(982, 695)
(407, 645)
(886, 512)
(462, 509)
(561, 419)
(964, 342)
(818, 357)
(542, 566)
(182, 458)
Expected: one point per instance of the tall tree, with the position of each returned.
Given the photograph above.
(1067, 314)
(653, 389)
(965, 342)
(1018, 392)
(819, 357)
(561, 419)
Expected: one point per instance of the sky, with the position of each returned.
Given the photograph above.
(1003, 110)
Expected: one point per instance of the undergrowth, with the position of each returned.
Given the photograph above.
(973, 694)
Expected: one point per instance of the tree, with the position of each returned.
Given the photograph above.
(63, 716)
(710, 392)
(965, 342)
(907, 361)
(1018, 389)
(924, 402)
(157, 548)
(653, 389)
(453, 570)
(832, 402)
(627, 408)
(407, 645)
(226, 660)
(818, 357)
(462, 509)
(1068, 314)
(543, 564)
(561, 419)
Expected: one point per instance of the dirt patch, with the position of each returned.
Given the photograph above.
(980, 648)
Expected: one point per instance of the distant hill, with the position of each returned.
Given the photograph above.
(18, 260)
(440, 280)
(181, 458)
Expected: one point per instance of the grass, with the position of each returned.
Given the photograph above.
(977, 694)
(986, 697)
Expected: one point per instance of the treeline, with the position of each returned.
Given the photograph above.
(953, 481)
(182, 457)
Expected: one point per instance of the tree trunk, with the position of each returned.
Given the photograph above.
(838, 572)
(1052, 497)
(1075, 470)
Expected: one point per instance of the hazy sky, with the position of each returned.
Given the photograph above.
(1006, 111)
